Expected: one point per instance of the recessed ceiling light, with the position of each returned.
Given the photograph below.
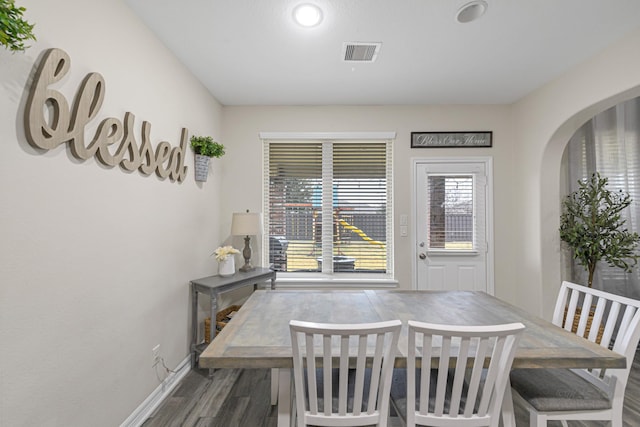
(471, 11)
(307, 15)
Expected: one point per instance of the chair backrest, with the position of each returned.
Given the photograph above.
(351, 361)
(457, 375)
(613, 321)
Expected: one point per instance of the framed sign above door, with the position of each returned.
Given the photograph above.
(451, 139)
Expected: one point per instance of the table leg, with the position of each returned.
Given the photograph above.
(274, 386)
(508, 415)
(213, 311)
(194, 325)
(284, 397)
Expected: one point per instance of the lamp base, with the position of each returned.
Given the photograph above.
(246, 253)
(247, 267)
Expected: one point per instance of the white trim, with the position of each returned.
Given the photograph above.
(326, 135)
(488, 162)
(146, 408)
(390, 237)
(328, 282)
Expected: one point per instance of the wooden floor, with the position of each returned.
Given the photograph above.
(240, 398)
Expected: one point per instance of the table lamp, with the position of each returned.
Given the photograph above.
(246, 224)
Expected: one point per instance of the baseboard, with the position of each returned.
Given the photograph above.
(144, 411)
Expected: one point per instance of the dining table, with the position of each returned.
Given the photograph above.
(259, 337)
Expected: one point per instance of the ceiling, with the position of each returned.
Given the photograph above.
(250, 52)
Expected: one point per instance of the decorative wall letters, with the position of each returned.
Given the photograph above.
(49, 122)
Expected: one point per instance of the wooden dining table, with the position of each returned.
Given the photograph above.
(258, 336)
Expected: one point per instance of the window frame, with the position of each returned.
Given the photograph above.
(352, 280)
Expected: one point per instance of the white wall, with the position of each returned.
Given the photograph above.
(545, 120)
(241, 126)
(95, 263)
(529, 139)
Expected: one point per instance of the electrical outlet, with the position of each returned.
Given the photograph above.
(156, 355)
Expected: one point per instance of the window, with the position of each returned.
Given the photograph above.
(450, 212)
(328, 206)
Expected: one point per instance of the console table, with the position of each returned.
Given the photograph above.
(214, 286)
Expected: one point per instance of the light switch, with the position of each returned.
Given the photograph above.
(403, 231)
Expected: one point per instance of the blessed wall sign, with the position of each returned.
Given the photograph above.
(51, 121)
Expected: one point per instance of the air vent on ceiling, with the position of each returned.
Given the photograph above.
(360, 52)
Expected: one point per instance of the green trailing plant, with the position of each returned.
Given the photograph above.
(591, 224)
(206, 146)
(14, 29)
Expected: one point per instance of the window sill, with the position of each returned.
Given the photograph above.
(284, 281)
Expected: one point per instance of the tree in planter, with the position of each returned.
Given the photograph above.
(14, 30)
(592, 226)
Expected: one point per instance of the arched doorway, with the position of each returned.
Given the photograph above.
(550, 199)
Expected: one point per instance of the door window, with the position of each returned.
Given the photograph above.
(450, 212)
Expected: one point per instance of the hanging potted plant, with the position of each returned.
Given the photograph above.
(14, 30)
(204, 148)
(592, 226)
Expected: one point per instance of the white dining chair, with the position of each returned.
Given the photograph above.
(342, 372)
(610, 320)
(455, 375)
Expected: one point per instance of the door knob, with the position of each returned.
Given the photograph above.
(422, 255)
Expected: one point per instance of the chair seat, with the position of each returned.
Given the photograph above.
(399, 391)
(335, 381)
(549, 390)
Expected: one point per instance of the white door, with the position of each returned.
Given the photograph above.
(453, 224)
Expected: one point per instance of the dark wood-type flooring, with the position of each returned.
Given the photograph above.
(240, 398)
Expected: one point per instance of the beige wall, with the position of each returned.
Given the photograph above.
(95, 263)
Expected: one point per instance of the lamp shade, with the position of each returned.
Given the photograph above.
(246, 224)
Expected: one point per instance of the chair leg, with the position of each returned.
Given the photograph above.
(294, 411)
(508, 415)
(537, 420)
(284, 398)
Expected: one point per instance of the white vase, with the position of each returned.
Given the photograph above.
(227, 267)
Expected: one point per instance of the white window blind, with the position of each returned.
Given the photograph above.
(328, 206)
(450, 211)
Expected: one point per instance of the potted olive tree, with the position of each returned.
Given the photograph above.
(592, 226)
(204, 148)
(14, 30)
